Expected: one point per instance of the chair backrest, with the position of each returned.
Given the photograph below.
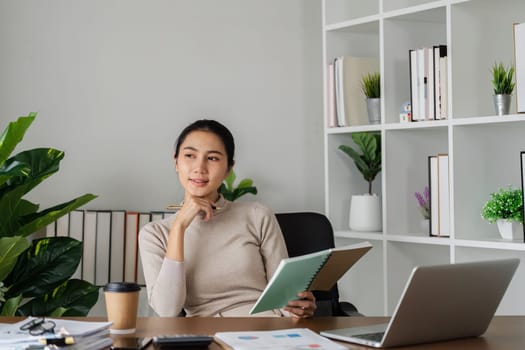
(308, 232)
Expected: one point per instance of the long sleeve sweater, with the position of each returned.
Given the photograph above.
(228, 262)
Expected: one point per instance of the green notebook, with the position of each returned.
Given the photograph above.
(316, 271)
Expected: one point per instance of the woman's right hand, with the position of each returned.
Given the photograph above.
(192, 207)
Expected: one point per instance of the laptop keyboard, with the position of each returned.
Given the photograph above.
(377, 337)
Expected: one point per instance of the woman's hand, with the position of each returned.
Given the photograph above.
(192, 207)
(303, 307)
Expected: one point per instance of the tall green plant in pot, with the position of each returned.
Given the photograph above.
(503, 85)
(35, 276)
(365, 210)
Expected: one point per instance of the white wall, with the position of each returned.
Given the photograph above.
(114, 82)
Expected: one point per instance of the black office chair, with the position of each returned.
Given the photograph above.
(308, 232)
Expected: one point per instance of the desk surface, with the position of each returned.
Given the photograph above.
(504, 333)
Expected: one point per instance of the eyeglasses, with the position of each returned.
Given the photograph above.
(39, 326)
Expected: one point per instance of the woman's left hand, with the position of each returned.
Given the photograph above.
(303, 307)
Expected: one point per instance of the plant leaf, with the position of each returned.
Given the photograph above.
(45, 265)
(10, 306)
(71, 298)
(13, 134)
(36, 221)
(10, 249)
(245, 183)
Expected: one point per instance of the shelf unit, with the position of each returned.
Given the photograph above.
(484, 149)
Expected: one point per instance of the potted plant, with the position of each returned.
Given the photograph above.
(35, 275)
(365, 210)
(371, 86)
(231, 192)
(503, 85)
(505, 208)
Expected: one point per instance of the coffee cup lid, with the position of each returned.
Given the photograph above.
(121, 287)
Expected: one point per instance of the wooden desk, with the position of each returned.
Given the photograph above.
(504, 333)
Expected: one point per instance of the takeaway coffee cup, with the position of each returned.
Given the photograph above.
(122, 299)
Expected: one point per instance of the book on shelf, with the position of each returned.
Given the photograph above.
(519, 64)
(144, 218)
(76, 229)
(89, 247)
(315, 271)
(438, 178)
(434, 195)
(118, 225)
(444, 195)
(130, 261)
(103, 245)
(294, 338)
(349, 95)
(62, 226)
(330, 97)
(428, 82)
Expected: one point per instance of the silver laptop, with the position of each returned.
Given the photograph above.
(439, 302)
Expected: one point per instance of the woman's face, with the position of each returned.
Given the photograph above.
(202, 164)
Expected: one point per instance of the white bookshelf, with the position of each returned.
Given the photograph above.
(484, 149)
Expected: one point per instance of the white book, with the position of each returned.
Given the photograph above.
(118, 225)
(102, 250)
(157, 215)
(444, 195)
(443, 77)
(339, 96)
(144, 218)
(434, 195)
(89, 239)
(414, 87)
(130, 252)
(62, 226)
(330, 97)
(429, 56)
(421, 83)
(51, 229)
(76, 230)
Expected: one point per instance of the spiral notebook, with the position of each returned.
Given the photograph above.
(316, 271)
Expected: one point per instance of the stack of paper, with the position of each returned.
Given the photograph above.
(86, 335)
(295, 338)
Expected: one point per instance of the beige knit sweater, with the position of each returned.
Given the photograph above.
(228, 262)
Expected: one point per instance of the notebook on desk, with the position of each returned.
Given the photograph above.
(440, 302)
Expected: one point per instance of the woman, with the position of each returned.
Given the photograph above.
(213, 257)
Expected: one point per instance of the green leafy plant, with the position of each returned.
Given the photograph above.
(504, 204)
(371, 86)
(231, 193)
(35, 276)
(502, 79)
(369, 160)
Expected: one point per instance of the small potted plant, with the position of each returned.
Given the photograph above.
(371, 86)
(503, 85)
(365, 210)
(423, 201)
(505, 208)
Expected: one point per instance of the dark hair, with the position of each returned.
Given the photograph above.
(214, 127)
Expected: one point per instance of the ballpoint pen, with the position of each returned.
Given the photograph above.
(179, 206)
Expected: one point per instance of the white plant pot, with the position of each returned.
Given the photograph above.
(509, 229)
(365, 213)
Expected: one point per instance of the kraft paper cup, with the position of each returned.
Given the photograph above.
(122, 299)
